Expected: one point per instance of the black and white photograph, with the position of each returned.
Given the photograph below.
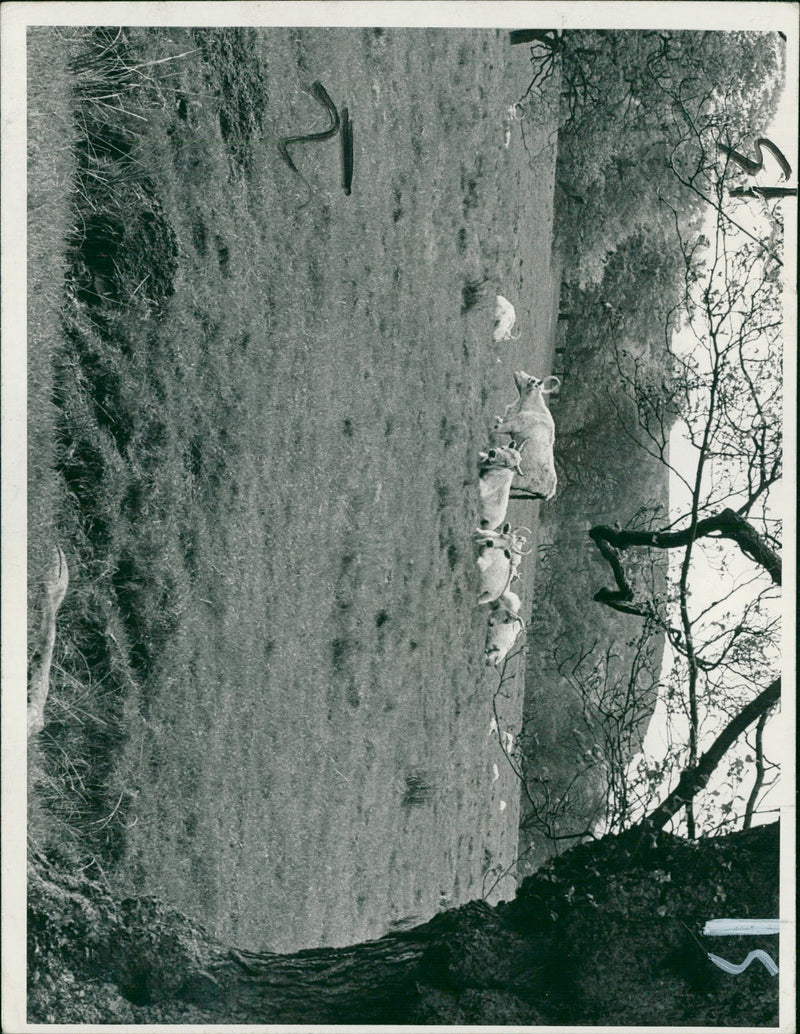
(395, 629)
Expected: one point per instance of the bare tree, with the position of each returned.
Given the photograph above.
(617, 691)
(721, 381)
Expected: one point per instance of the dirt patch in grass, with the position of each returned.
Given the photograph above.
(264, 451)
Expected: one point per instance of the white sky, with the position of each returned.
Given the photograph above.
(706, 582)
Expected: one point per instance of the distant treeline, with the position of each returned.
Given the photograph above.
(643, 113)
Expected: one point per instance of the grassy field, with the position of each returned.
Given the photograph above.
(269, 705)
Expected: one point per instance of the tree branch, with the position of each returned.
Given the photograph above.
(695, 779)
(727, 524)
(760, 769)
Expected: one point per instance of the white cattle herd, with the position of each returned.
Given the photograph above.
(527, 424)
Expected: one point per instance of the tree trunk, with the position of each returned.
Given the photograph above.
(610, 932)
(768, 193)
(549, 37)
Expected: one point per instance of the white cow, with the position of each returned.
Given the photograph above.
(505, 625)
(514, 113)
(508, 602)
(503, 538)
(499, 556)
(528, 422)
(504, 319)
(497, 468)
(494, 566)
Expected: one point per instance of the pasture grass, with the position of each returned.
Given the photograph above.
(264, 419)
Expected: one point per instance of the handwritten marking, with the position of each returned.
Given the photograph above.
(754, 956)
(740, 927)
(750, 166)
(321, 94)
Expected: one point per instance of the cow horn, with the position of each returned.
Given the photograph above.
(521, 540)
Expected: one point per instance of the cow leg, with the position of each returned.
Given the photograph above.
(510, 427)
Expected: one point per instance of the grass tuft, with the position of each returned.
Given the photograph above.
(419, 790)
(474, 292)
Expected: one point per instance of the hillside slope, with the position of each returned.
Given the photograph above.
(269, 705)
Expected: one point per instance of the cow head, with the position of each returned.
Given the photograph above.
(513, 542)
(527, 384)
(501, 457)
